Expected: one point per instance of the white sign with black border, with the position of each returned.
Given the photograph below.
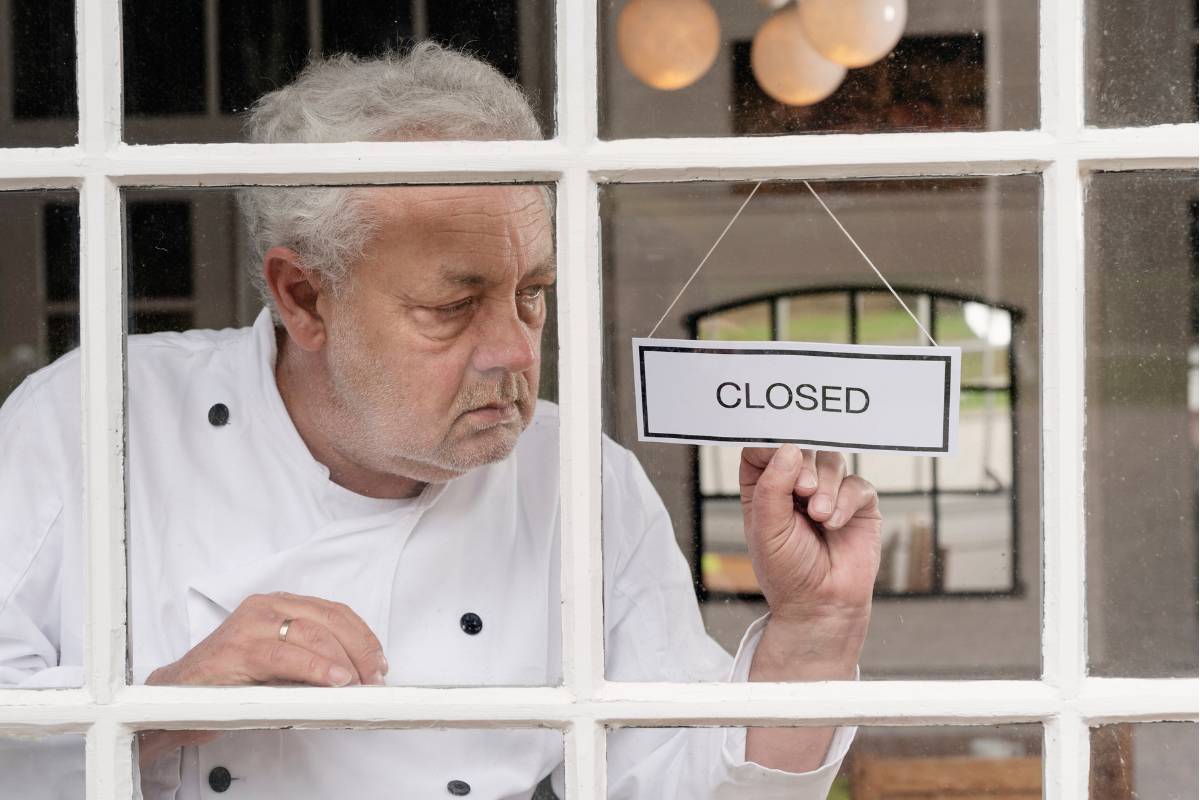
(850, 398)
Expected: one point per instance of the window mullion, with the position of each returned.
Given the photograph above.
(102, 393)
(586, 752)
(1066, 757)
(1064, 624)
(579, 355)
(109, 768)
(579, 359)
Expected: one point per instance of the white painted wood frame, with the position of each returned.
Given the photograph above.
(1063, 151)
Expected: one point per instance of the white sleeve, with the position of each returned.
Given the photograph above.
(654, 632)
(48, 768)
(38, 468)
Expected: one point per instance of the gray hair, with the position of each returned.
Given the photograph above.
(431, 93)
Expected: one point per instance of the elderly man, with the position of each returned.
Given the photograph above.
(362, 489)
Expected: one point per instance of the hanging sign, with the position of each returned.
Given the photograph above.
(852, 398)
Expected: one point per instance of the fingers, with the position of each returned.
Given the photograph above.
(354, 636)
(807, 482)
(820, 476)
(773, 500)
(758, 456)
(830, 472)
(856, 496)
(274, 661)
(317, 639)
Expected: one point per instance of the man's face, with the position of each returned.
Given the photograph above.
(434, 347)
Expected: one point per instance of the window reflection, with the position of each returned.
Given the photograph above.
(884, 763)
(1141, 462)
(1135, 760)
(961, 549)
(949, 523)
(43, 767)
(38, 81)
(191, 68)
(962, 66)
(1141, 62)
(437, 762)
(39, 298)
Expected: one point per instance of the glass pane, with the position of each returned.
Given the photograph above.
(1141, 423)
(751, 323)
(976, 539)
(39, 107)
(813, 318)
(984, 461)
(984, 333)
(192, 69)
(41, 487)
(956, 531)
(1156, 760)
(692, 68)
(921, 763)
(881, 320)
(40, 767)
(894, 472)
(1141, 462)
(907, 560)
(428, 763)
(1141, 60)
(368, 466)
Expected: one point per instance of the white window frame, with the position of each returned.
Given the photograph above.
(1066, 700)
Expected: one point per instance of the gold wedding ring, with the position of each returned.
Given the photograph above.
(283, 629)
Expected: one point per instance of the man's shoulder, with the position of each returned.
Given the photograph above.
(541, 438)
(184, 348)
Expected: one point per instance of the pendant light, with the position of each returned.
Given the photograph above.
(787, 66)
(854, 33)
(668, 44)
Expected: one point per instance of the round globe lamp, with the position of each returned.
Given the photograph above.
(787, 67)
(854, 33)
(668, 44)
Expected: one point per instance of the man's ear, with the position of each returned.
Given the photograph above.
(296, 290)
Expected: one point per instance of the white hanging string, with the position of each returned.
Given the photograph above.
(704, 260)
(836, 221)
(870, 263)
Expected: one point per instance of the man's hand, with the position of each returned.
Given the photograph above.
(327, 645)
(813, 534)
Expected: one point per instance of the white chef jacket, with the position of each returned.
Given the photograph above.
(218, 512)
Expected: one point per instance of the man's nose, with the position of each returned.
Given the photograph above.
(505, 342)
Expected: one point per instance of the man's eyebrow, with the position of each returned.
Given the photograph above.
(462, 277)
(547, 269)
(465, 277)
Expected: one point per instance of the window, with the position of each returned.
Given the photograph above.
(1090, 183)
(950, 528)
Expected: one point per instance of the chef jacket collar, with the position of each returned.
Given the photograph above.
(263, 354)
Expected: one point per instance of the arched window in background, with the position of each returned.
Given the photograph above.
(951, 523)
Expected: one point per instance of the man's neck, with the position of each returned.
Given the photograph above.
(310, 405)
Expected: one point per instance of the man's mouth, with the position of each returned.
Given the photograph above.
(494, 414)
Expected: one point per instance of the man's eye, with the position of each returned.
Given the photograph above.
(533, 292)
(454, 309)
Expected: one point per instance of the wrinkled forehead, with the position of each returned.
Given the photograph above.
(501, 217)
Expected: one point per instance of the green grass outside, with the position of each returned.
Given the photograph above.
(875, 326)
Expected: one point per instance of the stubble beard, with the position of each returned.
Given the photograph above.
(377, 433)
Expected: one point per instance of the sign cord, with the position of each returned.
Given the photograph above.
(704, 260)
(870, 263)
(836, 221)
